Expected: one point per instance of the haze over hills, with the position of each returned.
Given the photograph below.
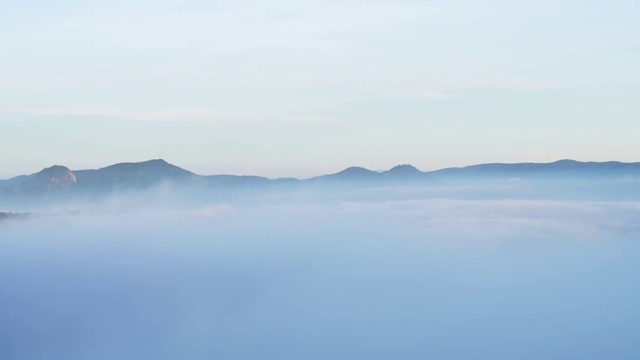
(565, 168)
(56, 180)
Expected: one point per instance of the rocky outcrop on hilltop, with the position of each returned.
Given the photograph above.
(53, 179)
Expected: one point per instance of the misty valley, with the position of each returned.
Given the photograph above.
(151, 261)
(319, 180)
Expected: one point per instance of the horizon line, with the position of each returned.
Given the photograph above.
(331, 173)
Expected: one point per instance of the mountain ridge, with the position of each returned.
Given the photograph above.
(146, 174)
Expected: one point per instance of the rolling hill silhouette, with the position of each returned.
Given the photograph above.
(144, 175)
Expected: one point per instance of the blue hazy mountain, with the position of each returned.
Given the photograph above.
(404, 170)
(361, 176)
(561, 168)
(54, 179)
(16, 180)
(351, 175)
(60, 180)
(131, 176)
(407, 173)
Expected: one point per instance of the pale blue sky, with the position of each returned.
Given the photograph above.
(300, 88)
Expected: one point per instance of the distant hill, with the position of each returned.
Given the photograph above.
(351, 174)
(403, 170)
(359, 175)
(59, 180)
(407, 172)
(16, 180)
(561, 168)
(131, 176)
(54, 179)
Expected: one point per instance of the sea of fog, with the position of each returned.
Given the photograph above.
(405, 279)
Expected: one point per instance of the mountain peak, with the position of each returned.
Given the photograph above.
(404, 169)
(565, 161)
(145, 165)
(56, 178)
(353, 173)
(356, 172)
(130, 175)
(156, 161)
(54, 169)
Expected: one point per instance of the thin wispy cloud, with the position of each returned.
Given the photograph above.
(171, 115)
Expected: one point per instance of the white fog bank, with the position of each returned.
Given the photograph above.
(423, 279)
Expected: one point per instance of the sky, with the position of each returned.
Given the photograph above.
(289, 88)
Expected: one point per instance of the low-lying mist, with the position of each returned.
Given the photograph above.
(366, 274)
